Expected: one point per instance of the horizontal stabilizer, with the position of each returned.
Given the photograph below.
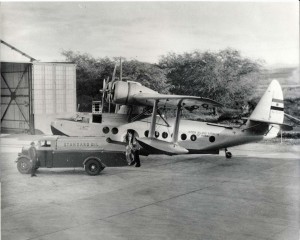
(283, 126)
(156, 146)
(286, 127)
(292, 118)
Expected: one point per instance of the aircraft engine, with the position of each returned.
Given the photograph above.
(123, 92)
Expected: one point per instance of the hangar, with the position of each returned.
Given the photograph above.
(35, 93)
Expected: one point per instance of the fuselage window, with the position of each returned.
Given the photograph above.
(156, 134)
(146, 133)
(115, 130)
(193, 137)
(212, 139)
(105, 129)
(164, 135)
(183, 136)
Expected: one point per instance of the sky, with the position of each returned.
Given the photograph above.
(147, 30)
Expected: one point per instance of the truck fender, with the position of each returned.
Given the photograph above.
(85, 160)
(22, 156)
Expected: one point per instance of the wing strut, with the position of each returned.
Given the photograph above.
(163, 118)
(156, 146)
(176, 125)
(177, 121)
(153, 120)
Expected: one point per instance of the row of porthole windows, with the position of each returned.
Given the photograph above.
(113, 130)
(183, 136)
(164, 134)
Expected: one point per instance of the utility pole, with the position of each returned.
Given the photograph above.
(121, 69)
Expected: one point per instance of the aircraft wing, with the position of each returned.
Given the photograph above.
(165, 100)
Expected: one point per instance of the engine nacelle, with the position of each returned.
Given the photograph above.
(124, 91)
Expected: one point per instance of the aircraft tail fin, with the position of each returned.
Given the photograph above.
(270, 107)
(267, 117)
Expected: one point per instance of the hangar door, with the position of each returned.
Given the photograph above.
(16, 97)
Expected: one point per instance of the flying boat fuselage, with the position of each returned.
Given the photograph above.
(196, 137)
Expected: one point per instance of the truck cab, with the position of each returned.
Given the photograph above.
(45, 149)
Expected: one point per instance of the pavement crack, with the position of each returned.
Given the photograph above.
(160, 201)
(105, 219)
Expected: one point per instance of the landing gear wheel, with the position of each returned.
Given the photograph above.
(228, 154)
(93, 167)
(24, 165)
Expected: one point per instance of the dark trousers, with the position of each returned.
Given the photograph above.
(33, 168)
(137, 158)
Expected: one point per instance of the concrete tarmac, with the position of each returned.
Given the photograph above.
(253, 196)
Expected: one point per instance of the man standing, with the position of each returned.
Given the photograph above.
(132, 149)
(33, 157)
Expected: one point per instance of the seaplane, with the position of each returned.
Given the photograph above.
(157, 135)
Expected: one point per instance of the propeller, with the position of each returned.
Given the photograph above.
(108, 87)
(114, 73)
(104, 90)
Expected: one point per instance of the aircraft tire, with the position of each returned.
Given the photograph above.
(93, 167)
(228, 154)
(24, 165)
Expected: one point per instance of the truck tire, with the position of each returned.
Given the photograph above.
(24, 165)
(93, 167)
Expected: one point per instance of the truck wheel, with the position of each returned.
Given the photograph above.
(24, 165)
(93, 167)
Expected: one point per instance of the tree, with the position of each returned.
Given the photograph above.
(224, 76)
(91, 71)
(149, 75)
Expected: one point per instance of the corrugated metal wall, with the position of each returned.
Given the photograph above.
(34, 94)
(16, 111)
(54, 87)
(54, 93)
